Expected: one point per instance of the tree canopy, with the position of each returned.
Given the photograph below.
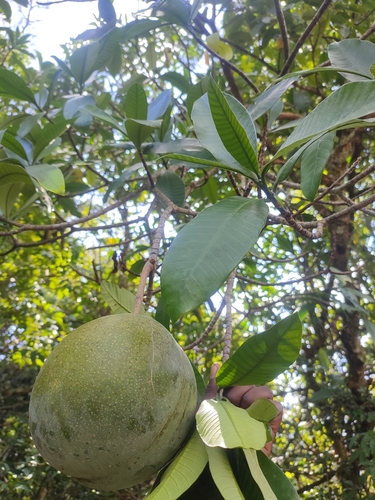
(213, 163)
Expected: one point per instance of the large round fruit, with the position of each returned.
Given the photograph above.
(113, 402)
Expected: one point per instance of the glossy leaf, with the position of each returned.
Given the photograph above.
(354, 54)
(222, 474)
(183, 471)
(269, 98)
(105, 117)
(11, 173)
(139, 130)
(72, 105)
(280, 484)
(204, 488)
(159, 105)
(13, 145)
(232, 132)
(48, 176)
(161, 314)
(209, 137)
(314, 159)
(119, 299)
(172, 186)
(28, 123)
(50, 133)
(206, 250)
(136, 103)
(348, 103)
(8, 195)
(220, 423)
(257, 473)
(11, 85)
(245, 120)
(264, 356)
(82, 62)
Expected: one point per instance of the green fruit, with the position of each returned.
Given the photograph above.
(113, 402)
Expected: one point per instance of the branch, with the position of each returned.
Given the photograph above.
(283, 29)
(152, 261)
(305, 34)
(228, 316)
(209, 328)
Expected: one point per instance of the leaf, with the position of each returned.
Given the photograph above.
(204, 488)
(222, 474)
(370, 327)
(105, 117)
(176, 80)
(354, 54)
(139, 130)
(72, 105)
(245, 120)
(13, 145)
(48, 176)
(209, 138)
(231, 131)
(280, 484)
(269, 97)
(159, 105)
(82, 62)
(263, 356)
(183, 471)
(220, 423)
(257, 473)
(49, 134)
(195, 92)
(351, 101)
(8, 195)
(11, 85)
(126, 174)
(28, 123)
(161, 314)
(11, 173)
(136, 103)
(119, 299)
(314, 159)
(207, 249)
(201, 386)
(263, 410)
(223, 49)
(173, 187)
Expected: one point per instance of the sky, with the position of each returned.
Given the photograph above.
(54, 25)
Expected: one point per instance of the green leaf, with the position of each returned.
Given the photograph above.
(103, 116)
(172, 186)
(204, 488)
(201, 386)
(136, 103)
(176, 80)
(12, 144)
(72, 105)
(209, 138)
(126, 174)
(82, 62)
(8, 195)
(354, 54)
(220, 423)
(49, 134)
(11, 173)
(48, 176)
(257, 473)
(232, 132)
(222, 474)
(350, 102)
(245, 120)
(28, 123)
(11, 85)
(139, 130)
(263, 410)
(269, 98)
(196, 92)
(161, 314)
(119, 299)
(183, 471)
(159, 105)
(207, 249)
(263, 356)
(210, 190)
(280, 484)
(314, 159)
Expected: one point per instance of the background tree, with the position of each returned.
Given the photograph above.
(82, 198)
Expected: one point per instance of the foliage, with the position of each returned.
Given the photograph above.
(244, 132)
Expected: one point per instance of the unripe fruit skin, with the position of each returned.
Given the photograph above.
(113, 402)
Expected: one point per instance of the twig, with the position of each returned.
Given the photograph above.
(224, 61)
(369, 32)
(152, 261)
(283, 29)
(209, 328)
(234, 183)
(305, 34)
(228, 316)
